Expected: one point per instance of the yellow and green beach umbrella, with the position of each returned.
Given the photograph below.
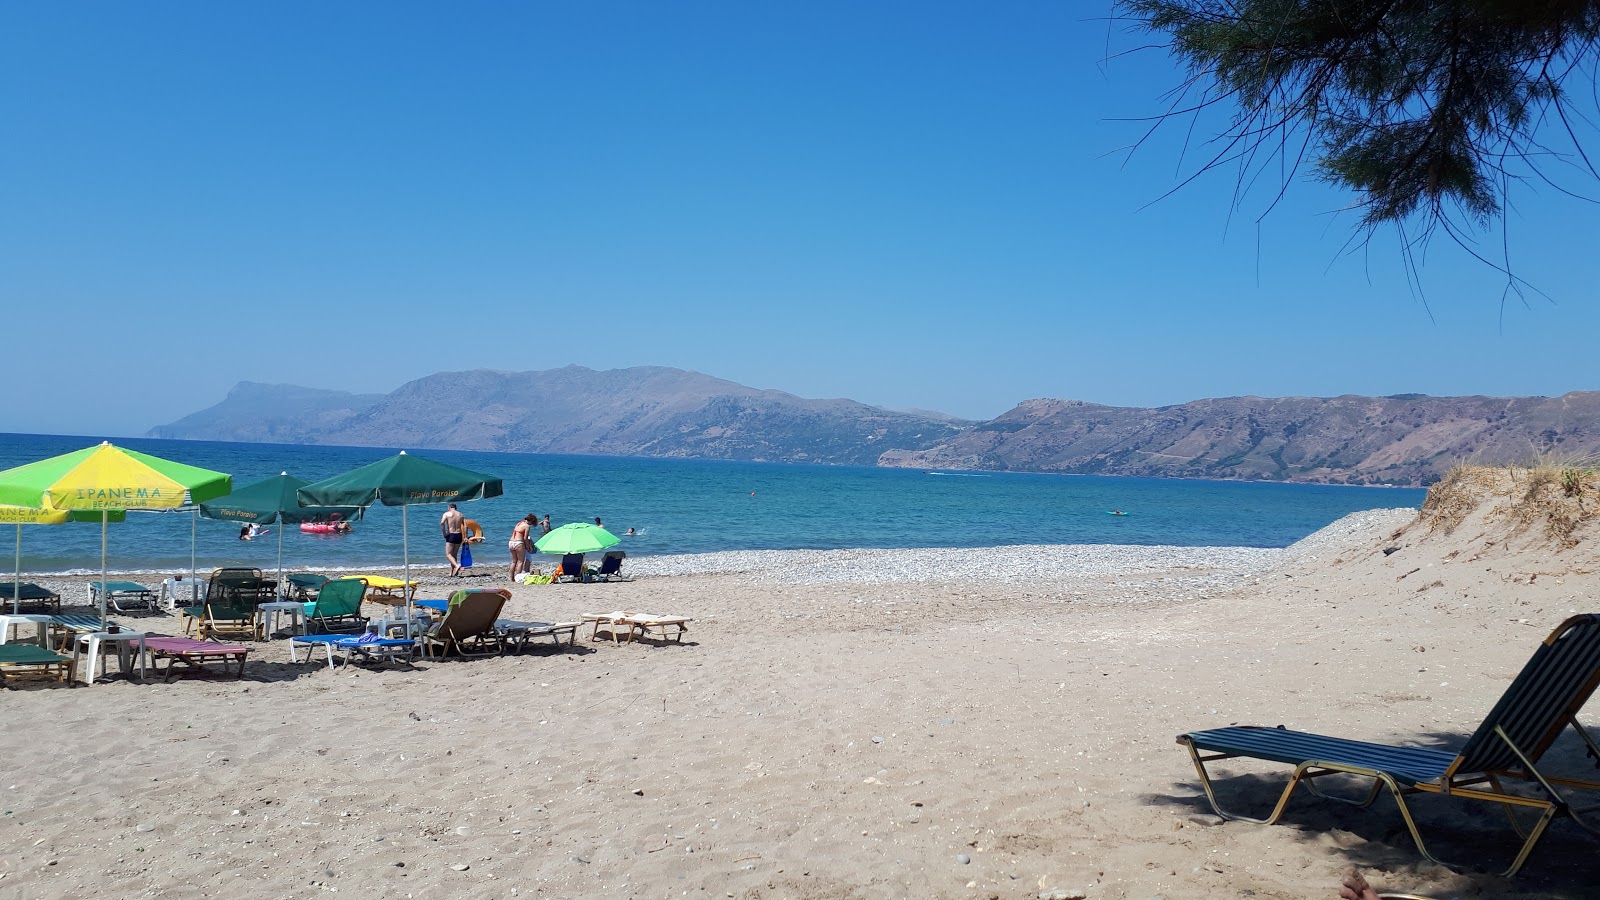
(105, 479)
(26, 515)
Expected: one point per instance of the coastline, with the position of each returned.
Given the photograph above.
(869, 565)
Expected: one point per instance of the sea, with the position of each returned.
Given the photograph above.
(690, 506)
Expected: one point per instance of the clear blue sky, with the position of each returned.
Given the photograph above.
(909, 204)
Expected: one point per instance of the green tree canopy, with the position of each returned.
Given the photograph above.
(1428, 109)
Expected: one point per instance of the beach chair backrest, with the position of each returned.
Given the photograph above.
(611, 564)
(572, 564)
(1550, 690)
(340, 598)
(224, 584)
(475, 614)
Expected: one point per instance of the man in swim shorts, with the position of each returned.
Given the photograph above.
(450, 524)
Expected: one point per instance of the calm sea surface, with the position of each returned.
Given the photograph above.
(688, 506)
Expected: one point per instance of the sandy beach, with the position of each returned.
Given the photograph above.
(963, 724)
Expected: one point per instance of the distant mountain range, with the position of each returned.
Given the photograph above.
(641, 411)
(662, 412)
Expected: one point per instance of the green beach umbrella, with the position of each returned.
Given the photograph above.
(105, 479)
(578, 537)
(271, 501)
(402, 480)
(25, 515)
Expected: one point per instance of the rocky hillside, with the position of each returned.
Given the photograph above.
(641, 411)
(652, 411)
(1406, 439)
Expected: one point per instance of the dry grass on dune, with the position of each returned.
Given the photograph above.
(1551, 498)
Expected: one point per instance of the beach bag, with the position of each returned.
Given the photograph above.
(466, 557)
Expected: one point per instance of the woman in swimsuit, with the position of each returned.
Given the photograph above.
(519, 545)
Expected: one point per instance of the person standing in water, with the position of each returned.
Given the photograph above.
(450, 525)
(544, 524)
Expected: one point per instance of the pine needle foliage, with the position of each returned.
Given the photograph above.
(1429, 108)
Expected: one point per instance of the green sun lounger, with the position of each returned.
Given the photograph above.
(337, 607)
(29, 661)
(27, 594)
(1543, 700)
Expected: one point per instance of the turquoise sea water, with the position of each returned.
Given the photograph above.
(689, 506)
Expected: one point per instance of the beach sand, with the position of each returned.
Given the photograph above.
(986, 730)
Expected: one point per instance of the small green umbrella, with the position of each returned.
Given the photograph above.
(273, 501)
(578, 537)
(402, 480)
(105, 479)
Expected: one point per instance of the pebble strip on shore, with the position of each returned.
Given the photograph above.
(1203, 568)
(1007, 564)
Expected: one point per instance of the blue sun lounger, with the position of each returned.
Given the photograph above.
(1543, 700)
(368, 646)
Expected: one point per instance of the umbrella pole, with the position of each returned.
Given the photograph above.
(105, 519)
(280, 551)
(194, 519)
(16, 586)
(405, 551)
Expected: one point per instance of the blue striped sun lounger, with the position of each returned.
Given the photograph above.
(369, 647)
(1538, 706)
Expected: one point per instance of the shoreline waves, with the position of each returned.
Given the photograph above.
(869, 566)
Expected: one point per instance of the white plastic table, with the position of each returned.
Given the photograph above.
(41, 620)
(176, 592)
(415, 627)
(125, 641)
(294, 609)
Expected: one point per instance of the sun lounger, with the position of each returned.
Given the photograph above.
(304, 585)
(662, 626)
(369, 647)
(236, 583)
(611, 567)
(196, 657)
(517, 634)
(1543, 700)
(66, 627)
(468, 628)
(28, 594)
(32, 662)
(123, 596)
(570, 569)
(636, 623)
(337, 607)
(383, 589)
(236, 619)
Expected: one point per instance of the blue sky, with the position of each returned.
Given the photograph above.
(909, 204)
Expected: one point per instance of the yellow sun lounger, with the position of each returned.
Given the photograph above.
(382, 589)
